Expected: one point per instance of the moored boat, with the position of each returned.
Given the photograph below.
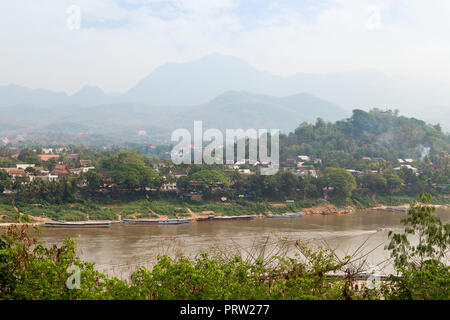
(77, 224)
(155, 221)
(174, 221)
(140, 221)
(228, 218)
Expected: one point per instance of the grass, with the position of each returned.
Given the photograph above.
(363, 201)
(148, 209)
(169, 208)
(8, 212)
(67, 212)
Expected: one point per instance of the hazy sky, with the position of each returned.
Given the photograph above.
(121, 41)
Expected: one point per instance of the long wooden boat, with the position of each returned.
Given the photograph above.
(174, 221)
(155, 221)
(140, 221)
(230, 218)
(77, 224)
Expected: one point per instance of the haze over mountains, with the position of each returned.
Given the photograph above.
(224, 92)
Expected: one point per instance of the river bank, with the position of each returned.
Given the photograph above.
(322, 209)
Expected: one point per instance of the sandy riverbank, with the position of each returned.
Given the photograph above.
(324, 209)
(406, 207)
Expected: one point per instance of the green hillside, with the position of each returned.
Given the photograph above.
(376, 133)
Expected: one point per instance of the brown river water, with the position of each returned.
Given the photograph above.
(120, 249)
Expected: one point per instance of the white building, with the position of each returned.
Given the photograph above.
(312, 173)
(169, 186)
(47, 150)
(414, 170)
(25, 166)
(304, 158)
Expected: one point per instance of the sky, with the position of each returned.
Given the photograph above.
(63, 45)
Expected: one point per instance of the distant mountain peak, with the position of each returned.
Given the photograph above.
(231, 95)
(88, 90)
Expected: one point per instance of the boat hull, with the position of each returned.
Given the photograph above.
(232, 218)
(54, 225)
(174, 221)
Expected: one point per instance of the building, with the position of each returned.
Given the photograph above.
(414, 170)
(312, 173)
(13, 172)
(24, 166)
(179, 174)
(194, 196)
(169, 186)
(47, 150)
(47, 177)
(85, 163)
(289, 162)
(87, 169)
(355, 173)
(79, 171)
(47, 157)
(73, 156)
(303, 158)
(60, 171)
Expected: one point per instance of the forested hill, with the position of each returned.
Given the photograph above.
(376, 133)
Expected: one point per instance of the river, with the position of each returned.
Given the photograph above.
(119, 249)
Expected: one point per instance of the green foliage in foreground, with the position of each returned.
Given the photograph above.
(29, 270)
(422, 265)
(32, 271)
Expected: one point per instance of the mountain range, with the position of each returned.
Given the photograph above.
(137, 121)
(224, 92)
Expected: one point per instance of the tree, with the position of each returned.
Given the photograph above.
(375, 182)
(393, 181)
(288, 182)
(27, 155)
(364, 121)
(5, 181)
(136, 175)
(420, 254)
(309, 186)
(210, 178)
(93, 180)
(342, 182)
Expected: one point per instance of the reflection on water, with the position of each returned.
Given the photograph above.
(120, 249)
